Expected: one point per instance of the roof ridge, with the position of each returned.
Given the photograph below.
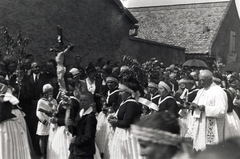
(178, 5)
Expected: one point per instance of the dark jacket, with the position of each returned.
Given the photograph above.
(192, 94)
(155, 98)
(85, 131)
(5, 110)
(169, 104)
(36, 86)
(61, 115)
(129, 112)
(230, 101)
(73, 112)
(114, 99)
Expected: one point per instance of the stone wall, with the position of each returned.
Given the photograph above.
(97, 28)
(221, 44)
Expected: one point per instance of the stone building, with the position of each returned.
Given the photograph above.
(207, 30)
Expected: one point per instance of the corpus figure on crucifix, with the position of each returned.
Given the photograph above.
(61, 70)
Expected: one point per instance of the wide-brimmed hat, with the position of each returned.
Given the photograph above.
(124, 69)
(106, 69)
(90, 68)
(47, 87)
(75, 72)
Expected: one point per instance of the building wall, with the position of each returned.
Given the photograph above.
(95, 27)
(148, 49)
(221, 44)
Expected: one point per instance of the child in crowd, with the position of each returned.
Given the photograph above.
(83, 143)
(44, 109)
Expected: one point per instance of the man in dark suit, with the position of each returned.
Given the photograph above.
(35, 84)
(83, 143)
(95, 86)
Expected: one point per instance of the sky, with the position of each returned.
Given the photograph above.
(140, 3)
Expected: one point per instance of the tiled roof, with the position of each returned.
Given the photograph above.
(192, 26)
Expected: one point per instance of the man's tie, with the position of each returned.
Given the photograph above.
(36, 77)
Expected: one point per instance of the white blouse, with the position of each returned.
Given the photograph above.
(91, 86)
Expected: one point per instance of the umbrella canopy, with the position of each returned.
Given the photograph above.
(195, 63)
(232, 66)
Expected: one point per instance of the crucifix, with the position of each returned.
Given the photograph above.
(61, 72)
(60, 59)
(61, 46)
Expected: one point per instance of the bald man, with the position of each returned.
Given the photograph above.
(210, 108)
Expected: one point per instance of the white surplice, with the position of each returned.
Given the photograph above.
(208, 126)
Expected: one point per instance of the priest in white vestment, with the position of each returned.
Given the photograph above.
(210, 108)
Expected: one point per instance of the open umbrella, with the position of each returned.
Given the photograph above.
(232, 66)
(195, 63)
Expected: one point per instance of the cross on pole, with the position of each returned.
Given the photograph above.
(61, 48)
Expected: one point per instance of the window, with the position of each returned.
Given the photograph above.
(232, 51)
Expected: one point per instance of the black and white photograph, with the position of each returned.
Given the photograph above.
(120, 79)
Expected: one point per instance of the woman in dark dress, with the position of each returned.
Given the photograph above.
(166, 101)
(67, 110)
(110, 106)
(123, 145)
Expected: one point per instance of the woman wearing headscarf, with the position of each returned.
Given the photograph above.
(123, 145)
(166, 101)
(13, 137)
(110, 106)
(159, 137)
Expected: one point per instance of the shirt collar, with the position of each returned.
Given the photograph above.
(88, 111)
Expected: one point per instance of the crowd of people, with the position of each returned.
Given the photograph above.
(115, 110)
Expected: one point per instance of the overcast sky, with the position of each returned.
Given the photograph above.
(140, 3)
